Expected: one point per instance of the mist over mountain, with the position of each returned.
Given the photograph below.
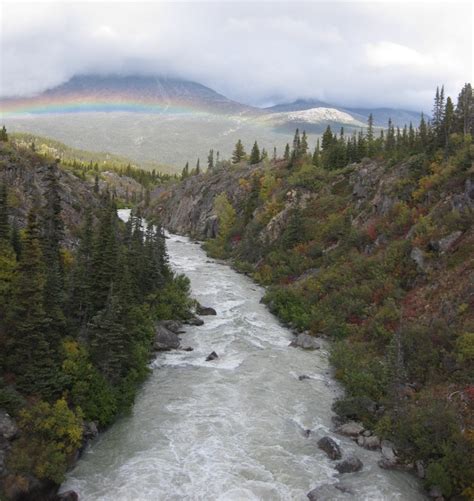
(171, 120)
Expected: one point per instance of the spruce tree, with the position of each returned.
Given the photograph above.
(210, 160)
(370, 136)
(239, 153)
(5, 230)
(316, 159)
(464, 114)
(286, 155)
(198, 167)
(33, 352)
(3, 135)
(255, 154)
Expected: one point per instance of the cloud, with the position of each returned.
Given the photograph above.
(352, 53)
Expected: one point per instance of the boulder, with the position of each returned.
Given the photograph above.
(194, 321)
(173, 325)
(330, 447)
(305, 341)
(417, 255)
(205, 310)
(165, 339)
(303, 377)
(350, 465)
(90, 430)
(212, 356)
(372, 442)
(420, 469)
(445, 244)
(435, 492)
(351, 429)
(388, 451)
(8, 427)
(67, 496)
(188, 348)
(330, 492)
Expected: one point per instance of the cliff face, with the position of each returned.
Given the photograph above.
(25, 174)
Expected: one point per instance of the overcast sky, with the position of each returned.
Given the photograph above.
(351, 53)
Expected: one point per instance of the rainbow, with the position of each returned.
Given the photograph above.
(81, 102)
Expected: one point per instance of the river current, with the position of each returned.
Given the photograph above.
(230, 429)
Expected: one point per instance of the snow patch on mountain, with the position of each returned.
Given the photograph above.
(320, 114)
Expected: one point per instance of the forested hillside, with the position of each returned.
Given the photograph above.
(367, 240)
(80, 293)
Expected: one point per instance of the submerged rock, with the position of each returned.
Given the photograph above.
(212, 356)
(330, 447)
(330, 492)
(165, 339)
(205, 310)
(350, 465)
(303, 377)
(67, 496)
(188, 348)
(305, 341)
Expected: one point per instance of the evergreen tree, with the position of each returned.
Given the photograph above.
(4, 224)
(239, 153)
(33, 356)
(185, 172)
(96, 183)
(52, 227)
(255, 154)
(286, 155)
(464, 113)
(316, 159)
(304, 144)
(370, 136)
(210, 160)
(198, 167)
(448, 121)
(3, 135)
(327, 140)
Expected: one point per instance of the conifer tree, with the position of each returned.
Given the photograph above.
(465, 110)
(448, 121)
(286, 155)
(198, 167)
(185, 172)
(4, 224)
(34, 357)
(316, 159)
(255, 154)
(304, 144)
(239, 153)
(327, 139)
(3, 135)
(210, 160)
(370, 136)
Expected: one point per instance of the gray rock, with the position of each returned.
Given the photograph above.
(305, 341)
(188, 348)
(212, 356)
(330, 493)
(165, 339)
(388, 451)
(420, 469)
(371, 443)
(303, 377)
(349, 465)
(330, 447)
(173, 325)
(351, 429)
(417, 255)
(90, 430)
(67, 496)
(194, 321)
(446, 243)
(435, 492)
(8, 427)
(205, 310)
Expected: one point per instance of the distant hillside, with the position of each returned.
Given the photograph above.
(171, 121)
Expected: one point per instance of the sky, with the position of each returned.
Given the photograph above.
(381, 53)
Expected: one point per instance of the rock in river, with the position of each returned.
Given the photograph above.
(165, 339)
(305, 341)
(205, 310)
(350, 465)
(351, 429)
(211, 356)
(329, 446)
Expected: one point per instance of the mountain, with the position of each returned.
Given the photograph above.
(125, 94)
(170, 121)
(381, 116)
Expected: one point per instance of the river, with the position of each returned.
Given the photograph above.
(230, 429)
